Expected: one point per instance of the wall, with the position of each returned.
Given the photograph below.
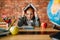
(15, 8)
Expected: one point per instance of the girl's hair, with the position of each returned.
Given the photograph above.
(29, 8)
(32, 9)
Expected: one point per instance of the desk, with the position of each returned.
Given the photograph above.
(40, 30)
(26, 37)
(30, 37)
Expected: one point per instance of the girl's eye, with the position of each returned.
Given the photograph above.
(31, 14)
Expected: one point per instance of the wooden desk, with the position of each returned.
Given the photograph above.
(40, 30)
(30, 37)
(26, 37)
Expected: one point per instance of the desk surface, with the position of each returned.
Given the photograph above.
(26, 37)
(41, 30)
(29, 37)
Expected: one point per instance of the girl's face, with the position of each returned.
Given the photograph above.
(29, 14)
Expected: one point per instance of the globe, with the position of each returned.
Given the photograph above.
(53, 11)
